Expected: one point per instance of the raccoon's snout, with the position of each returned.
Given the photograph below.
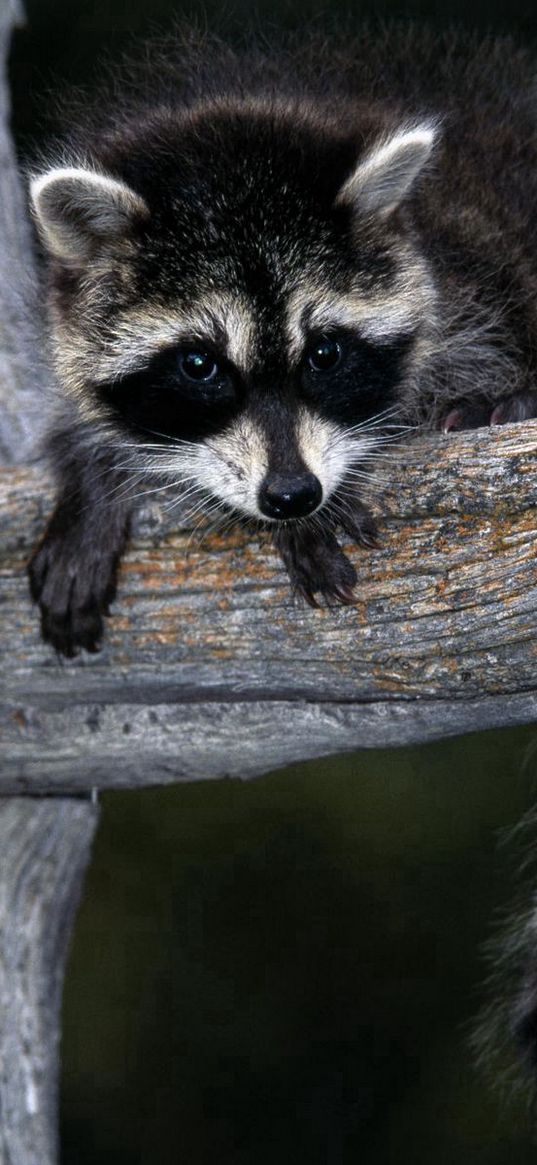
(293, 496)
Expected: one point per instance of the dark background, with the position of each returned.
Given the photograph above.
(286, 971)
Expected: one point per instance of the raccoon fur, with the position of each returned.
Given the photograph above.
(262, 263)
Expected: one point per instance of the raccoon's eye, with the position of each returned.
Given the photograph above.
(197, 365)
(324, 354)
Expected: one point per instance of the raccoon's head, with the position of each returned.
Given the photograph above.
(238, 293)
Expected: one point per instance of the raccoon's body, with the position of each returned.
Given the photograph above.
(261, 262)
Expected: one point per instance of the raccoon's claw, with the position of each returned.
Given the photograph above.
(465, 417)
(332, 591)
(361, 526)
(69, 631)
(72, 604)
(317, 566)
(522, 406)
(341, 593)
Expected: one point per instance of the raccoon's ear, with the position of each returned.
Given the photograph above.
(76, 209)
(384, 177)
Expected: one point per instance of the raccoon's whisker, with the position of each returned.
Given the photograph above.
(163, 468)
(356, 450)
(159, 488)
(212, 507)
(312, 522)
(337, 514)
(392, 432)
(351, 491)
(198, 510)
(369, 440)
(189, 454)
(376, 440)
(224, 522)
(139, 469)
(119, 492)
(358, 471)
(194, 490)
(170, 467)
(317, 523)
(372, 456)
(177, 443)
(374, 421)
(126, 485)
(172, 443)
(391, 411)
(199, 507)
(351, 447)
(169, 442)
(355, 478)
(216, 507)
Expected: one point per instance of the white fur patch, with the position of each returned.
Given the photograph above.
(376, 318)
(229, 467)
(382, 180)
(138, 335)
(329, 450)
(232, 466)
(74, 206)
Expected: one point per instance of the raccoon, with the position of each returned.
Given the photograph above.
(263, 263)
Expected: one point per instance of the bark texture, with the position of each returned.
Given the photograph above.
(210, 668)
(44, 850)
(44, 844)
(26, 396)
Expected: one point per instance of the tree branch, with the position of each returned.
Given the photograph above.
(211, 668)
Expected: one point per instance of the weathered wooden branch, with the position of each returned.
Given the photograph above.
(211, 668)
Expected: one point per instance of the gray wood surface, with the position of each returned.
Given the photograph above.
(44, 850)
(26, 387)
(211, 668)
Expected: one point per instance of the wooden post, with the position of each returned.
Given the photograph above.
(44, 848)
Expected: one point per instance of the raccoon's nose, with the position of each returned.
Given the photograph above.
(290, 497)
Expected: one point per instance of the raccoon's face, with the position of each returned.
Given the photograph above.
(236, 293)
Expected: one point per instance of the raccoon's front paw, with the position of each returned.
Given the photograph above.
(317, 565)
(73, 595)
(522, 406)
